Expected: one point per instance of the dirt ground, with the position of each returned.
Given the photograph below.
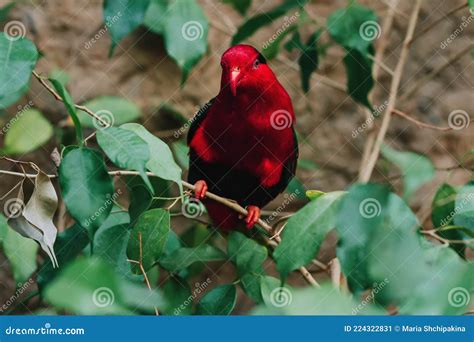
(326, 117)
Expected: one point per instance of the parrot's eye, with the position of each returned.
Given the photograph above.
(256, 64)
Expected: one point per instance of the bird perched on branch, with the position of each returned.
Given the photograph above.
(242, 143)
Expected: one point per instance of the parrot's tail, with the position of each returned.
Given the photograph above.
(222, 217)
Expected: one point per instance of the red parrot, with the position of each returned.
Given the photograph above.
(242, 143)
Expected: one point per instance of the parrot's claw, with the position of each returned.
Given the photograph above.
(200, 189)
(253, 216)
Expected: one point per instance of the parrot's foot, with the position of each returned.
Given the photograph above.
(253, 216)
(200, 189)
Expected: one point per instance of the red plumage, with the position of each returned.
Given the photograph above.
(242, 143)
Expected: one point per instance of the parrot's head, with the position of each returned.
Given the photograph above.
(244, 68)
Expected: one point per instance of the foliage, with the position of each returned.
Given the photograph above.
(122, 244)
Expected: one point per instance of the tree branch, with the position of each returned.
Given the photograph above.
(373, 156)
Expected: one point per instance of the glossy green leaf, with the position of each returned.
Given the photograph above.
(240, 6)
(18, 57)
(346, 26)
(155, 15)
(305, 232)
(185, 33)
(126, 150)
(251, 284)
(416, 169)
(112, 109)
(89, 286)
(121, 17)
(161, 161)
(246, 253)
(219, 301)
(251, 25)
(28, 131)
(359, 76)
(465, 206)
(154, 227)
(86, 187)
(69, 103)
(185, 256)
(361, 211)
(179, 296)
(20, 252)
(442, 214)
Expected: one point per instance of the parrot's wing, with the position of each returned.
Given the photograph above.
(198, 118)
(289, 169)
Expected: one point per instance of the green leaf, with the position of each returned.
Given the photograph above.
(18, 57)
(155, 15)
(260, 20)
(361, 211)
(359, 76)
(125, 149)
(346, 27)
(185, 33)
(219, 301)
(112, 109)
(184, 257)
(161, 161)
(305, 231)
(181, 153)
(246, 253)
(28, 131)
(89, 286)
(251, 284)
(314, 194)
(69, 103)
(471, 4)
(272, 291)
(325, 300)
(121, 17)
(179, 296)
(5, 11)
(416, 169)
(309, 59)
(270, 49)
(69, 244)
(154, 227)
(86, 187)
(240, 6)
(20, 252)
(465, 207)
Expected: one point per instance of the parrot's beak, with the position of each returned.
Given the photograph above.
(234, 79)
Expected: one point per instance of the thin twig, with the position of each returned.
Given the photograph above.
(59, 98)
(419, 123)
(374, 155)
